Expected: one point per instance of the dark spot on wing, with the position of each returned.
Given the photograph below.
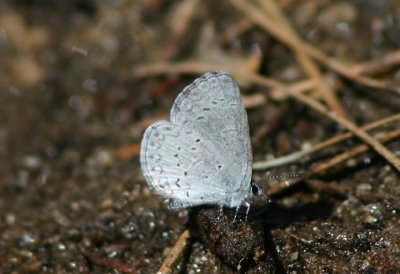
(198, 140)
(206, 109)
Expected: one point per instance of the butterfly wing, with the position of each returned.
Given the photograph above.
(181, 164)
(213, 106)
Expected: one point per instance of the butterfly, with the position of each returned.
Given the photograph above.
(202, 156)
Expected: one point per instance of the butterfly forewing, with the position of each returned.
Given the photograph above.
(213, 106)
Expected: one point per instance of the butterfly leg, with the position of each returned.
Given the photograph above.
(247, 205)
(236, 213)
(220, 212)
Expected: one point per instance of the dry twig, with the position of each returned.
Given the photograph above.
(108, 264)
(175, 253)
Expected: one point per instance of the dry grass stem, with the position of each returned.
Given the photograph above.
(379, 148)
(315, 105)
(193, 67)
(351, 153)
(273, 11)
(378, 65)
(235, 30)
(261, 165)
(253, 13)
(274, 190)
(179, 25)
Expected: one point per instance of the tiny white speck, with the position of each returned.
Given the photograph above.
(80, 50)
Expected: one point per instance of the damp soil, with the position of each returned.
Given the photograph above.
(72, 196)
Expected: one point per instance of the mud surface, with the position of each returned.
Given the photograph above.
(72, 197)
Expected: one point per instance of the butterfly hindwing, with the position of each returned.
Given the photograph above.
(179, 163)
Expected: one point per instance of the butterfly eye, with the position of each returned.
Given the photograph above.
(256, 189)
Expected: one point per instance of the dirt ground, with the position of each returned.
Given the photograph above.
(76, 94)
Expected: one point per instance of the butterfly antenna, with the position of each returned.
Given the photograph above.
(285, 176)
